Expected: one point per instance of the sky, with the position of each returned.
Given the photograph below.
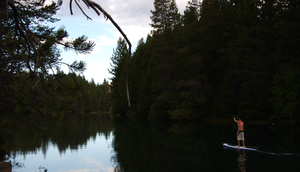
(133, 17)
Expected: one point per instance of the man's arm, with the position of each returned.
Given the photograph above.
(234, 120)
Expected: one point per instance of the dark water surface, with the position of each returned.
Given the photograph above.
(96, 143)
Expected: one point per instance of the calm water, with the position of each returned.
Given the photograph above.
(95, 143)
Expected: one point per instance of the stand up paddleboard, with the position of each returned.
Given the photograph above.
(226, 146)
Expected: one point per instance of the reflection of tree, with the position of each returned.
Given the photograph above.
(75, 130)
(72, 133)
(159, 145)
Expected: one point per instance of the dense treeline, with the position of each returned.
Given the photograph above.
(87, 96)
(218, 59)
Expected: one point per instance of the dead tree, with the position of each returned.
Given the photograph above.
(98, 9)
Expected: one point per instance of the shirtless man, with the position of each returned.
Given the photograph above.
(240, 132)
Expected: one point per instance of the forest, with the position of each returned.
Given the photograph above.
(218, 60)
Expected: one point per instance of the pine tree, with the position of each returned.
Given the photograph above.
(192, 12)
(165, 16)
(118, 69)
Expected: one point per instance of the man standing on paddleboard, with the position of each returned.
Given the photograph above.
(240, 132)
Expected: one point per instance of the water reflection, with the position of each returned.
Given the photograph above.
(146, 146)
(78, 137)
(72, 133)
(97, 143)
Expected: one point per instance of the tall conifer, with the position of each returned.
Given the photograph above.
(165, 16)
(118, 68)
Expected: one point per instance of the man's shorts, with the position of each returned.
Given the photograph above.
(240, 135)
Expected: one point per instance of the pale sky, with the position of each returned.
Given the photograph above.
(133, 17)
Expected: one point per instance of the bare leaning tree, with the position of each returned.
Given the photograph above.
(98, 9)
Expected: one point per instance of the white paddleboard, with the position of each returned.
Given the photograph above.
(226, 145)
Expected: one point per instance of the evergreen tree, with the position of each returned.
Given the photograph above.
(165, 19)
(192, 12)
(118, 69)
(165, 16)
(251, 61)
(286, 102)
(105, 101)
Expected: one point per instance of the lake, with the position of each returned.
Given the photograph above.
(95, 143)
